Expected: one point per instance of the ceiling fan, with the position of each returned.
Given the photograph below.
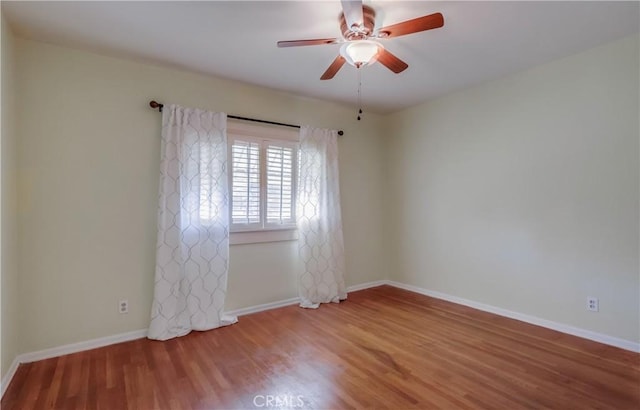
(359, 43)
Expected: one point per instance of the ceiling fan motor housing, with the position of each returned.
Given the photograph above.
(362, 32)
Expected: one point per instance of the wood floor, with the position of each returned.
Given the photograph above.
(383, 348)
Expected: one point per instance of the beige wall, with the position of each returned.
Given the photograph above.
(8, 204)
(89, 161)
(523, 193)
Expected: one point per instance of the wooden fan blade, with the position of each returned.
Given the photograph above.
(315, 42)
(423, 23)
(333, 68)
(352, 10)
(392, 62)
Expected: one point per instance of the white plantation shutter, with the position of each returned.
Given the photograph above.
(245, 179)
(280, 179)
(263, 181)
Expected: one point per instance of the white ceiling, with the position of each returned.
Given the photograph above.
(480, 41)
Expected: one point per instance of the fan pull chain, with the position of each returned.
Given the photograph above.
(359, 70)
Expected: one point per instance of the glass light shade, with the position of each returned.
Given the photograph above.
(360, 52)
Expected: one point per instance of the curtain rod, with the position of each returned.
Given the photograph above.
(156, 105)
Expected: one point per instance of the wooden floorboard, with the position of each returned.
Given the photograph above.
(382, 348)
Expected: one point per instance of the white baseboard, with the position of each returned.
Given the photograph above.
(81, 346)
(8, 376)
(293, 301)
(67, 349)
(367, 285)
(138, 334)
(560, 327)
(263, 307)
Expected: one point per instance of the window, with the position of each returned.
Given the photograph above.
(262, 181)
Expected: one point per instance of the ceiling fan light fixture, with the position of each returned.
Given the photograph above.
(361, 52)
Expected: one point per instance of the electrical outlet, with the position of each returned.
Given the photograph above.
(593, 304)
(123, 306)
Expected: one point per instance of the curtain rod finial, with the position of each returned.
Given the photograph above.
(154, 104)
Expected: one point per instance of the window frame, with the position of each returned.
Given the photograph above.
(263, 135)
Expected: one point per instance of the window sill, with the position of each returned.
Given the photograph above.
(276, 235)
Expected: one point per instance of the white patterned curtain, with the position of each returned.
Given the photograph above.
(319, 219)
(193, 225)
